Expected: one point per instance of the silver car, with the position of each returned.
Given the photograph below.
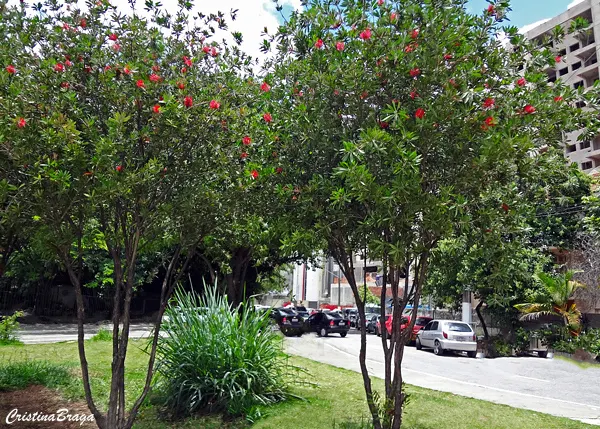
(442, 335)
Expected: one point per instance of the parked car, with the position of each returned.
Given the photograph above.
(420, 323)
(387, 317)
(368, 318)
(372, 323)
(302, 311)
(325, 323)
(452, 335)
(290, 323)
(351, 314)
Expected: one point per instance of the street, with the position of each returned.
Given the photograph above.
(550, 386)
(55, 333)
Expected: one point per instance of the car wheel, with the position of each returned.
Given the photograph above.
(418, 344)
(343, 334)
(323, 332)
(437, 348)
(472, 354)
(299, 333)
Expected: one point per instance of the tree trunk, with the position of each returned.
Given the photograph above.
(480, 316)
(236, 278)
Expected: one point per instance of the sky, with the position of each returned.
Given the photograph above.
(526, 12)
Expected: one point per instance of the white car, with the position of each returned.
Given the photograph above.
(442, 335)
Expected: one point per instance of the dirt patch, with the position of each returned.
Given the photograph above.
(46, 403)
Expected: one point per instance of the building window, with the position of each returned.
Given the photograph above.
(564, 71)
(576, 65)
(586, 165)
(563, 52)
(580, 104)
(571, 148)
(578, 84)
(584, 145)
(574, 47)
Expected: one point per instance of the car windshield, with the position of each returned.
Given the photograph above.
(333, 316)
(422, 321)
(459, 327)
(287, 311)
(300, 308)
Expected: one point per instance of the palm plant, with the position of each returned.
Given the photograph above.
(556, 299)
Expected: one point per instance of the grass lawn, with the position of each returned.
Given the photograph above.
(337, 398)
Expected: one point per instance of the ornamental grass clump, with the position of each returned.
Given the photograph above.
(217, 358)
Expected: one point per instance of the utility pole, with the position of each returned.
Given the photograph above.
(339, 285)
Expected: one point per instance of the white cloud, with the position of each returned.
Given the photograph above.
(573, 3)
(524, 29)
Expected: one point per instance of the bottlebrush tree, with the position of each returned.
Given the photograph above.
(400, 118)
(125, 129)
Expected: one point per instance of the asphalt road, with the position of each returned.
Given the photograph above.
(551, 386)
(55, 333)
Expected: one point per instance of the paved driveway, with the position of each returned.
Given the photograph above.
(550, 386)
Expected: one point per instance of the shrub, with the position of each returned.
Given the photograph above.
(9, 327)
(588, 341)
(500, 348)
(218, 359)
(103, 334)
(522, 342)
(18, 375)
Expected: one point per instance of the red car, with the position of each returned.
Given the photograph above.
(419, 324)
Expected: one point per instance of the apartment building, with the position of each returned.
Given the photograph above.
(579, 68)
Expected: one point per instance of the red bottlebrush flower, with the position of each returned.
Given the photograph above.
(126, 70)
(155, 68)
(264, 87)
(336, 92)
(140, 83)
(214, 52)
(21, 122)
(106, 68)
(364, 95)
(183, 70)
(558, 99)
(206, 49)
(420, 113)
(279, 170)
(384, 125)
(452, 82)
(254, 174)
(415, 72)
(188, 102)
(413, 94)
(156, 108)
(181, 85)
(83, 23)
(267, 117)
(214, 104)
(448, 57)
(505, 207)
(59, 67)
(246, 140)
(68, 63)
(319, 44)
(113, 37)
(88, 174)
(414, 34)
(116, 47)
(393, 16)
(154, 78)
(10, 69)
(187, 61)
(521, 81)
(490, 121)
(529, 109)
(244, 155)
(491, 10)
(87, 69)
(340, 46)
(558, 58)
(365, 34)
(119, 168)
(489, 103)
(409, 48)
(380, 2)
(65, 85)
(66, 26)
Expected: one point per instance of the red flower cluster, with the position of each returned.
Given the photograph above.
(206, 49)
(365, 34)
(10, 69)
(413, 94)
(214, 52)
(156, 108)
(254, 174)
(491, 10)
(244, 155)
(126, 70)
(279, 170)
(59, 67)
(420, 113)
(119, 168)
(489, 103)
(558, 58)
(21, 122)
(340, 46)
(558, 99)
(181, 85)
(113, 37)
(521, 81)
(415, 72)
(319, 44)
(187, 61)
(529, 109)
(264, 87)
(154, 78)
(140, 83)
(415, 33)
(246, 140)
(188, 101)
(267, 117)
(447, 57)
(214, 104)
